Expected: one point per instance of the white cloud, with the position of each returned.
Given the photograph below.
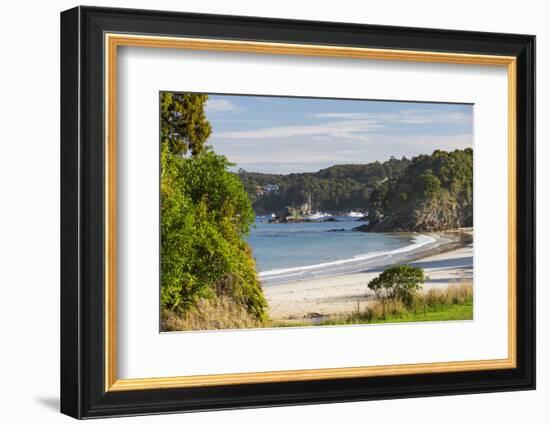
(301, 153)
(350, 126)
(418, 116)
(214, 106)
(350, 130)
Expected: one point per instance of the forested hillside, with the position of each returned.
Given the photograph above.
(337, 188)
(434, 193)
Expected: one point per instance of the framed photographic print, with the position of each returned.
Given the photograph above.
(261, 212)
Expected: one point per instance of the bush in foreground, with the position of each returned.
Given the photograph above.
(398, 283)
(206, 262)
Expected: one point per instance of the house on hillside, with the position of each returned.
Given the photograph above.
(268, 189)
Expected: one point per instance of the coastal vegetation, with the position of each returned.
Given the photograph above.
(434, 193)
(454, 302)
(221, 312)
(336, 188)
(398, 283)
(206, 264)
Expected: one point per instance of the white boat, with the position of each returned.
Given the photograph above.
(316, 216)
(355, 214)
(313, 216)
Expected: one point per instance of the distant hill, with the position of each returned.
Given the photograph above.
(337, 188)
(426, 193)
(434, 193)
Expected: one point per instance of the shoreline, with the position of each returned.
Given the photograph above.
(444, 263)
(421, 245)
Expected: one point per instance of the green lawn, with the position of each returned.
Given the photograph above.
(434, 313)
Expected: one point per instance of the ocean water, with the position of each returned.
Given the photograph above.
(287, 252)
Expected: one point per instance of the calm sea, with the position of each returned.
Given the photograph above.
(288, 252)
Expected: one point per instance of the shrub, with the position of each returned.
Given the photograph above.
(205, 214)
(398, 283)
(205, 217)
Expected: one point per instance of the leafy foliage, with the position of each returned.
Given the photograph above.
(205, 213)
(183, 124)
(434, 193)
(398, 283)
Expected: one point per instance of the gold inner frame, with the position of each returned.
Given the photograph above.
(113, 41)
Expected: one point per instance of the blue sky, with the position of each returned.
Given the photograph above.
(284, 134)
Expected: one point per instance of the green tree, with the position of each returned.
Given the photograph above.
(428, 184)
(205, 214)
(183, 124)
(398, 283)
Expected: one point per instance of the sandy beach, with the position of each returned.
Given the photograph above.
(333, 295)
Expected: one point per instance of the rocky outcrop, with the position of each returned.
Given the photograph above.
(435, 193)
(435, 214)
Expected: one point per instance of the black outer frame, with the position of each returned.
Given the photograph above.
(82, 212)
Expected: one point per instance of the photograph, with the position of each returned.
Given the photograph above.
(293, 211)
